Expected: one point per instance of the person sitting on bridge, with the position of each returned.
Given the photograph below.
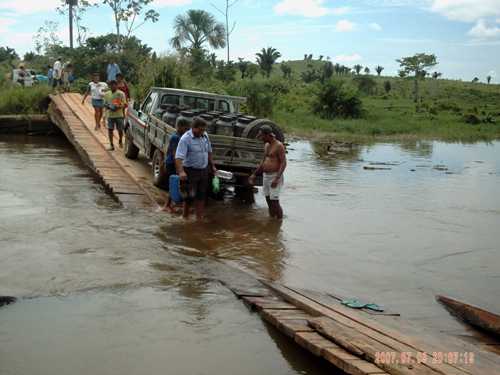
(182, 126)
(96, 89)
(193, 159)
(115, 102)
(273, 166)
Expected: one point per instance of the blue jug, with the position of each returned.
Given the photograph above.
(174, 188)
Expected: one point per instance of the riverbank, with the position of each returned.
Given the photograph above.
(462, 118)
(390, 120)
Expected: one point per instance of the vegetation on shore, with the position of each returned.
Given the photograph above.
(311, 97)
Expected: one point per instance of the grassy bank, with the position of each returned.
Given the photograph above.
(15, 100)
(387, 119)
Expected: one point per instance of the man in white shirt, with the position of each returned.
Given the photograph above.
(57, 73)
(97, 90)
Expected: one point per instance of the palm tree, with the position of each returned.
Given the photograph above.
(357, 68)
(267, 58)
(379, 69)
(488, 79)
(196, 28)
(367, 70)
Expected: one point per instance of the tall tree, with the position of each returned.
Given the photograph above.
(243, 67)
(229, 29)
(197, 28)
(357, 68)
(488, 79)
(127, 13)
(267, 58)
(286, 69)
(8, 54)
(379, 69)
(46, 38)
(367, 70)
(328, 70)
(417, 65)
(78, 13)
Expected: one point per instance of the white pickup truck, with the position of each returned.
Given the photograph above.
(233, 135)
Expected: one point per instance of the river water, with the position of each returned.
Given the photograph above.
(113, 291)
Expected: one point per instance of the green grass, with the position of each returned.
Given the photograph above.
(394, 116)
(19, 101)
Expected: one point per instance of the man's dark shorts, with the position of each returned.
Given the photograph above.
(197, 183)
(117, 123)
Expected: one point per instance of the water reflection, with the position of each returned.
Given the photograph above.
(241, 233)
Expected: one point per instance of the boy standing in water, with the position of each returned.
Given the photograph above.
(182, 126)
(96, 90)
(273, 166)
(115, 101)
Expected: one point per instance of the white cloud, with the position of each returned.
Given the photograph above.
(307, 8)
(467, 10)
(348, 58)
(343, 26)
(29, 6)
(171, 3)
(340, 11)
(483, 30)
(375, 26)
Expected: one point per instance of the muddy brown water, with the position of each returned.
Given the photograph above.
(107, 290)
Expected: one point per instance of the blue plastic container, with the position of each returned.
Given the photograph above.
(175, 188)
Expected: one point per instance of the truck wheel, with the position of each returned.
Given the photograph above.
(252, 129)
(159, 172)
(131, 150)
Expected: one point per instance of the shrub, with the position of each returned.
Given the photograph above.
(387, 87)
(336, 99)
(23, 100)
(259, 94)
(366, 85)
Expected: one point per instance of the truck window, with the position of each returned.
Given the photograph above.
(171, 99)
(205, 104)
(224, 106)
(190, 101)
(147, 106)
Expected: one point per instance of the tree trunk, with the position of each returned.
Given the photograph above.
(227, 29)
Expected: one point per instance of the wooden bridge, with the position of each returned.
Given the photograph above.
(357, 342)
(129, 181)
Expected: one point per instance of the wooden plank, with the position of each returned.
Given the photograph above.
(372, 329)
(275, 317)
(259, 303)
(313, 342)
(366, 348)
(294, 326)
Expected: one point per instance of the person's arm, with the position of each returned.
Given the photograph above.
(282, 160)
(180, 155)
(258, 171)
(211, 163)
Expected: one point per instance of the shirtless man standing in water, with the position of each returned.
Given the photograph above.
(273, 166)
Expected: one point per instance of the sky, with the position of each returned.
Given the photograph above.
(464, 34)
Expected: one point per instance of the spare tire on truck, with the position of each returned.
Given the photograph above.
(252, 129)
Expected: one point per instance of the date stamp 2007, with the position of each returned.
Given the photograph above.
(411, 358)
